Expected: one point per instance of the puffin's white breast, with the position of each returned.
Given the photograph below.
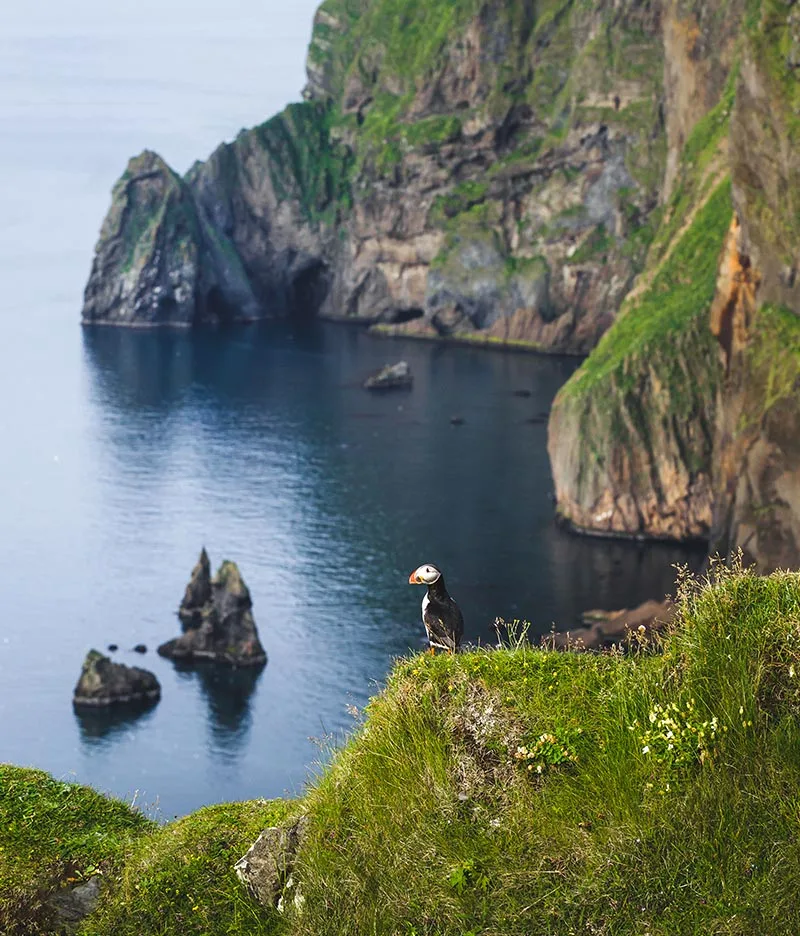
(425, 602)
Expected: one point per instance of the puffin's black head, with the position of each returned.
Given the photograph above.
(426, 574)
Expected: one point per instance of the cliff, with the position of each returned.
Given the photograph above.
(710, 451)
(464, 167)
(510, 791)
(540, 175)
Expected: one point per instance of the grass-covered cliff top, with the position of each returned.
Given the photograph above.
(512, 791)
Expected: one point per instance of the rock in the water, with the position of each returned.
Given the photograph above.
(158, 261)
(267, 866)
(227, 631)
(140, 648)
(391, 377)
(198, 593)
(103, 682)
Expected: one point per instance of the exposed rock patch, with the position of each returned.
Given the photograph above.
(73, 904)
(222, 629)
(267, 866)
(103, 683)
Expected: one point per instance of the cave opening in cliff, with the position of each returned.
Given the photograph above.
(216, 309)
(308, 290)
(401, 316)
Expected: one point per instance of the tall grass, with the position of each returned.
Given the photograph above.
(658, 793)
(507, 791)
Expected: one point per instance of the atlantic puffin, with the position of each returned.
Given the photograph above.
(441, 616)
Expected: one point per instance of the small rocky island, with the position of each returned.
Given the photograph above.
(391, 377)
(103, 683)
(217, 619)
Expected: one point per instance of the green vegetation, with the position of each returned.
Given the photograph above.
(305, 163)
(772, 362)
(158, 880)
(510, 791)
(771, 196)
(699, 160)
(179, 878)
(595, 247)
(672, 311)
(667, 799)
(52, 833)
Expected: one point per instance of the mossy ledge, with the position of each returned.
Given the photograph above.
(499, 791)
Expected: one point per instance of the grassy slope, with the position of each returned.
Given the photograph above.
(53, 832)
(516, 791)
(667, 803)
(168, 879)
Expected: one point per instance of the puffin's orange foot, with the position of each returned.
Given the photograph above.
(432, 651)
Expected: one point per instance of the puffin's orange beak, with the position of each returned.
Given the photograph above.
(413, 580)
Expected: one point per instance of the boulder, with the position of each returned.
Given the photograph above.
(103, 683)
(73, 904)
(267, 866)
(198, 593)
(226, 632)
(391, 377)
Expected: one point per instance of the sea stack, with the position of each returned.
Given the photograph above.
(222, 628)
(103, 682)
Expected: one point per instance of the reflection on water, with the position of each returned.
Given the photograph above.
(228, 693)
(103, 725)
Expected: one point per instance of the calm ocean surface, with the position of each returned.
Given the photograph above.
(122, 453)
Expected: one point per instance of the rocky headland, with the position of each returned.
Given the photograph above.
(619, 179)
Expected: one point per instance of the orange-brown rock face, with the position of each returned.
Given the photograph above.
(755, 316)
(757, 443)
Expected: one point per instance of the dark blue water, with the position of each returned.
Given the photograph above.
(122, 453)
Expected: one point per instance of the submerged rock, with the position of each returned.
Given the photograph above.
(266, 868)
(391, 377)
(103, 682)
(226, 631)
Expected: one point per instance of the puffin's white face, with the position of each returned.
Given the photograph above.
(425, 575)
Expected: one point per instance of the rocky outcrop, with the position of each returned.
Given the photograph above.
(104, 683)
(391, 377)
(266, 868)
(158, 261)
(499, 171)
(223, 629)
(497, 178)
(71, 905)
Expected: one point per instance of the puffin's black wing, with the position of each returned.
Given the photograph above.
(444, 624)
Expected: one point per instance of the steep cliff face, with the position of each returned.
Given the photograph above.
(475, 166)
(730, 466)
(631, 434)
(755, 315)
